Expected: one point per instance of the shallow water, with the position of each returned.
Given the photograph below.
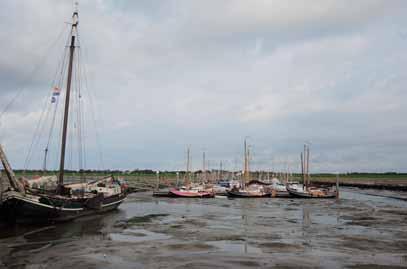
(358, 231)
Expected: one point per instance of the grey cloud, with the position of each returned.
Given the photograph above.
(208, 73)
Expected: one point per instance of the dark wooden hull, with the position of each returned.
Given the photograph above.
(24, 210)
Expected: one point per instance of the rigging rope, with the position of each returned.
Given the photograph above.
(41, 124)
(30, 76)
(82, 112)
(79, 116)
(92, 110)
(51, 116)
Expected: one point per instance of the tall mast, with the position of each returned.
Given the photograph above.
(44, 165)
(248, 164)
(67, 97)
(246, 172)
(188, 159)
(203, 167)
(302, 171)
(220, 170)
(308, 174)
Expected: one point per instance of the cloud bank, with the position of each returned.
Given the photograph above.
(167, 74)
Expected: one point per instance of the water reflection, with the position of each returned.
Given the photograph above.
(246, 205)
(306, 220)
(245, 225)
(306, 224)
(248, 210)
(91, 226)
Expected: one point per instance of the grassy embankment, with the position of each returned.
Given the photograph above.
(147, 179)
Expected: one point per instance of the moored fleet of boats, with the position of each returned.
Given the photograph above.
(242, 186)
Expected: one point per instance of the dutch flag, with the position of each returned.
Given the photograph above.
(55, 93)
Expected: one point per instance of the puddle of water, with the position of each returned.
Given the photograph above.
(236, 247)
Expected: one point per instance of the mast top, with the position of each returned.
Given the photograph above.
(75, 15)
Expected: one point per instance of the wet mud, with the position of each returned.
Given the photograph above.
(358, 231)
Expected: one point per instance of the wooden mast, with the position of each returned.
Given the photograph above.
(187, 174)
(220, 171)
(67, 97)
(246, 165)
(203, 167)
(305, 168)
(302, 170)
(308, 174)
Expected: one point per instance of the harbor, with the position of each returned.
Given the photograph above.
(203, 134)
(359, 231)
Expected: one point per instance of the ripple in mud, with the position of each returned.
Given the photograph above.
(138, 220)
(247, 263)
(223, 237)
(194, 222)
(374, 266)
(192, 247)
(396, 211)
(363, 243)
(137, 235)
(199, 265)
(360, 220)
(280, 247)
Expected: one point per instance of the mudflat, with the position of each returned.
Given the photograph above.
(361, 230)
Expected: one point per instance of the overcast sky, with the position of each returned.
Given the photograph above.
(167, 74)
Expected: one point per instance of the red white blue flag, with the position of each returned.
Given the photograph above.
(55, 93)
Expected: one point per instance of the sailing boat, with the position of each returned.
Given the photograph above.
(221, 186)
(245, 190)
(67, 201)
(306, 190)
(189, 190)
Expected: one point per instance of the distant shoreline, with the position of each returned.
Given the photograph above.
(387, 181)
(366, 183)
